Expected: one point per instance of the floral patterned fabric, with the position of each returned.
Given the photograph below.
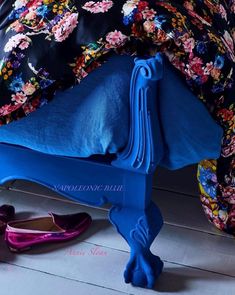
(47, 44)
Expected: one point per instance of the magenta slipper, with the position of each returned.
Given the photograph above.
(21, 235)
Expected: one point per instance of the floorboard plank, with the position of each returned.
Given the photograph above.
(184, 211)
(17, 280)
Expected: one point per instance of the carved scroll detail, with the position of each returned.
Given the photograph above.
(144, 148)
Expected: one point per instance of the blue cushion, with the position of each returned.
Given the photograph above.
(93, 118)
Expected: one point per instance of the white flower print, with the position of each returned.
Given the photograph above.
(20, 40)
(98, 7)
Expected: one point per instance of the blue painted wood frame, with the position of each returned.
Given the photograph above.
(124, 180)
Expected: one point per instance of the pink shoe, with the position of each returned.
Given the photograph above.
(21, 235)
(7, 213)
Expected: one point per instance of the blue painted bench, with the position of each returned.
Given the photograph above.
(127, 174)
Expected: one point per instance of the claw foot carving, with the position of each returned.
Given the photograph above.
(143, 269)
(139, 228)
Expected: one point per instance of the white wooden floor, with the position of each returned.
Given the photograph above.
(198, 258)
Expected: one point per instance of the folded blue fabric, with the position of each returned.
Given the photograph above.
(93, 118)
(189, 132)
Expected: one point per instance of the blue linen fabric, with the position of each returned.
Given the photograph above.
(189, 132)
(93, 118)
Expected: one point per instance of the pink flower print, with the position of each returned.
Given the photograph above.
(222, 12)
(7, 109)
(116, 38)
(228, 42)
(175, 61)
(34, 4)
(228, 148)
(17, 26)
(205, 200)
(31, 15)
(215, 73)
(28, 88)
(189, 44)
(19, 98)
(4, 110)
(149, 26)
(218, 223)
(23, 45)
(65, 26)
(208, 68)
(98, 7)
(188, 5)
(148, 14)
(196, 65)
(16, 40)
(229, 194)
(196, 61)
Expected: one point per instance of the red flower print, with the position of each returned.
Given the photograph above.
(142, 5)
(226, 114)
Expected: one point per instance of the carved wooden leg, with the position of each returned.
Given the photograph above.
(139, 228)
